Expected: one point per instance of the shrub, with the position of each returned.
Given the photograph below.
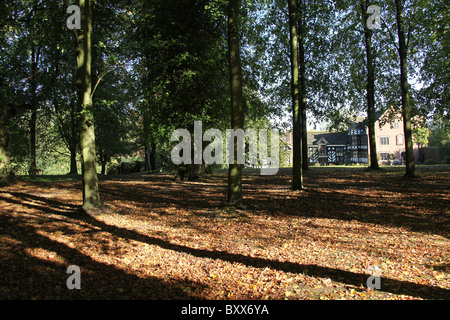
(126, 167)
(444, 148)
(7, 179)
(430, 162)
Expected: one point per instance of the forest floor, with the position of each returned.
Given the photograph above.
(163, 239)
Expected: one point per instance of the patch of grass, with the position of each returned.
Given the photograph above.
(49, 178)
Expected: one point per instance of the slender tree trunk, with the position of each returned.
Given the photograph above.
(301, 48)
(33, 168)
(6, 173)
(73, 159)
(5, 117)
(153, 156)
(147, 165)
(370, 89)
(4, 144)
(34, 61)
(150, 157)
(147, 136)
(91, 197)
(103, 172)
(237, 115)
(297, 179)
(406, 107)
(73, 140)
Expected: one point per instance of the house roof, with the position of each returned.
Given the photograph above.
(329, 138)
(361, 122)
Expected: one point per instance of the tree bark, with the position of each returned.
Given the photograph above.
(33, 120)
(91, 197)
(297, 178)
(73, 140)
(4, 144)
(237, 115)
(6, 173)
(153, 157)
(103, 172)
(301, 48)
(370, 88)
(73, 160)
(147, 165)
(406, 107)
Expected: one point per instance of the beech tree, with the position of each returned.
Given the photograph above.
(405, 88)
(297, 178)
(237, 115)
(176, 71)
(370, 84)
(91, 197)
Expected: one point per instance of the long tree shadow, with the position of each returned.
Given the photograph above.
(351, 278)
(343, 276)
(25, 276)
(422, 206)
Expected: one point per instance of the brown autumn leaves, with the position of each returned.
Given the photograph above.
(161, 239)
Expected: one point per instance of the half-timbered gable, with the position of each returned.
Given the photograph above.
(328, 147)
(352, 146)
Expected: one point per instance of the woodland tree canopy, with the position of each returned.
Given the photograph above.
(170, 149)
(150, 67)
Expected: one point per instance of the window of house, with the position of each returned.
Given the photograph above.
(395, 125)
(400, 140)
(354, 140)
(384, 156)
(384, 141)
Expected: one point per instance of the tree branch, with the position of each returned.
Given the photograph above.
(390, 34)
(409, 34)
(101, 77)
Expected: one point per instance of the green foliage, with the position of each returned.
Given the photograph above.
(444, 149)
(420, 135)
(432, 48)
(160, 65)
(182, 65)
(439, 132)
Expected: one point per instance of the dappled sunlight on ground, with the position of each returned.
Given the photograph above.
(161, 239)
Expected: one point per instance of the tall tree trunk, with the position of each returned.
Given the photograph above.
(150, 157)
(103, 159)
(370, 89)
(91, 197)
(237, 115)
(34, 62)
(153, 156)
(73, 159)
(147, 165)
(301, 48)
(73, 140)
(297, 179)
(4, 143)
(33, 168)
(406, 107)
(147, 137)
(6, 173)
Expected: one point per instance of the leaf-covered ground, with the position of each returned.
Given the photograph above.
(161, 239)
